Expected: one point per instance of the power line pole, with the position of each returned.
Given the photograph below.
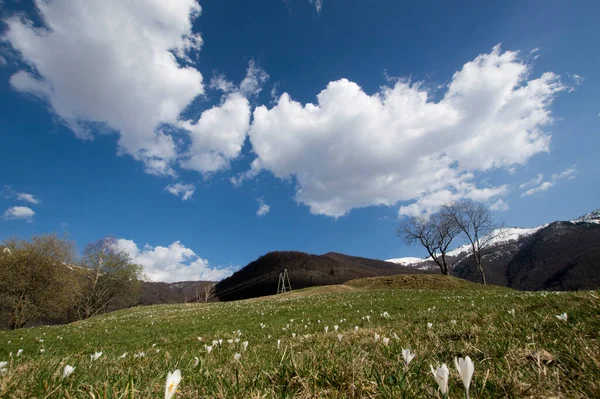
(284, 285)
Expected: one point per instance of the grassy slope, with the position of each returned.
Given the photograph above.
(315, 363)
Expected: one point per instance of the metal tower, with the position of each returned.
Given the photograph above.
(283, 285)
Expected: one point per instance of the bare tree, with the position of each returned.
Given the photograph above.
(206, 293)
(476, 223)
(434, 233)
(110, 280)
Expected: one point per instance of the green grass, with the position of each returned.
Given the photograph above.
(506, 349)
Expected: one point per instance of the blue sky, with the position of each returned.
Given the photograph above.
(203, 135)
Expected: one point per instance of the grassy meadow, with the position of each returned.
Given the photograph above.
(530, 353)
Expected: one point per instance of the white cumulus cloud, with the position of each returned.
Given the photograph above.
(180, 189)
(219, 135)
(353, 149)
(173, 263)
(113, 63)
(19, 212)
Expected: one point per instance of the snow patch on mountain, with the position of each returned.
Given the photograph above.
(409, 260)
(592, 217)
(499, 236)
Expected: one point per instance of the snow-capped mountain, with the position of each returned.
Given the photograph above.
(592, 217)
(557, 255)
(497, 237)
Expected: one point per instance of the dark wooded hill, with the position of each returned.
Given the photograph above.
(305, 270)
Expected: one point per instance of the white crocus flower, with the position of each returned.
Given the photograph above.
(245, 345)
(511, 312)
(19, 352)
(386, 341)
(429, 326)
(335, 328)
(123, 356)
(377, 337)
(278, 343)
(173, 380)
(237, 356)
(67, 371)
(562, 317)
(408, 356)
(441, 377)
(340, 336)
(453, 322)
(326, 328)
(196, 361)
(3, 367)
(209, 348)
(465, 368)
(355, 328)
(95, 356)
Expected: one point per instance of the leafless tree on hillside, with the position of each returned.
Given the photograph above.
(434, 233)
(206, 293)
(475, 221)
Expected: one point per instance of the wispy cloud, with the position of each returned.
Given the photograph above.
(533, 182)
(541, 186)
(318, 4)
(499, 205)
(263, 208)
(179, 189)
(538, 189)
(8, 192)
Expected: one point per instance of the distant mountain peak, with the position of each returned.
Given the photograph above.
(592, 217)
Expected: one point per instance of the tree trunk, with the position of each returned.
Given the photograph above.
(481, 270)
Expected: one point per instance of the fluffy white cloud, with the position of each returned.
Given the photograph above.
(219, 135)
(540, 186)
(19, 212)
(113, 63)
(458, 187)
(352, 149)
(171, 264)
(263, 208)
(179, 189)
